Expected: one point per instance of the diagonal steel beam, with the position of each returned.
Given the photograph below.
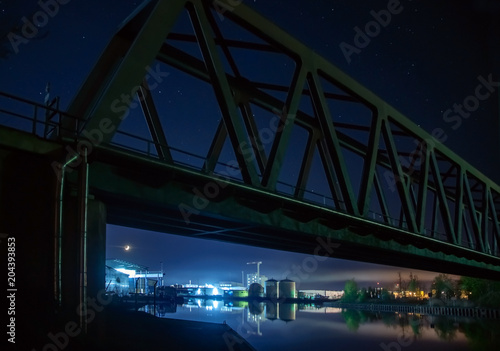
(108, 92)
(331, 139)
(495, 222)
(125, 61)
(331, 176)
(399, 177)
(225, 97)
(282, 137)
(305, 167)
(215, 148)
(382, 200)
(254, 135)
(476, 226)
(153, 121)
(370, 163)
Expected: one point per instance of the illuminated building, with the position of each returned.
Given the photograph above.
(255, 278)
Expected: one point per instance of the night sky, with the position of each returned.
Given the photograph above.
(427, 58)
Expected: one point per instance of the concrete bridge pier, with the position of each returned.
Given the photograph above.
(49, 294)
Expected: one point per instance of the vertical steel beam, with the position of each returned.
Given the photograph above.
(459, 205)
(443, 203)
(435, 216)
(476, 226)
(485, 219)
(423, 187)
(495, 222)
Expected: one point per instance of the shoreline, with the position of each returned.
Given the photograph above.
(474, 312)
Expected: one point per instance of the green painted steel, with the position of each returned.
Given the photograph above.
(412, 198)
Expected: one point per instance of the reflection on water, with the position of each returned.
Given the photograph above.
(296, 326)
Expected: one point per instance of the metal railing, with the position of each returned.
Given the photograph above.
(45, 121)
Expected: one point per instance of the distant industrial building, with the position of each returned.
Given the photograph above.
(235, 293)
(117, 282)
(198, 290)
(330, 294)
(255, 278)
(230, 285)
(140, 279)
(233, 289)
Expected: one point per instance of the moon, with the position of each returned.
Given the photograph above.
(127, 247)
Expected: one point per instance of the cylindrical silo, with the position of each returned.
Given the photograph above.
(287, 289)
(272, 291)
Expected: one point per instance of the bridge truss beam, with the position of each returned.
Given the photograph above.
(378, 165)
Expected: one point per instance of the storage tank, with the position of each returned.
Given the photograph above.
(287, 289)
(287, 311)
(255, 290)
(272, 310)
(272, 291)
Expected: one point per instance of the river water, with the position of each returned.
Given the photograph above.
(309, 327)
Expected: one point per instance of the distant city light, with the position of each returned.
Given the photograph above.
(129, 272)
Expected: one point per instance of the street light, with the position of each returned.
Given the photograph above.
(127, 248)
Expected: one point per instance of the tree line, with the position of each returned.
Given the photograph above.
(481, 292)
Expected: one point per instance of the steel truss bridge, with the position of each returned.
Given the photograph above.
(290, 153)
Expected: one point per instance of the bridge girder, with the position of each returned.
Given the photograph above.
(408, 181)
